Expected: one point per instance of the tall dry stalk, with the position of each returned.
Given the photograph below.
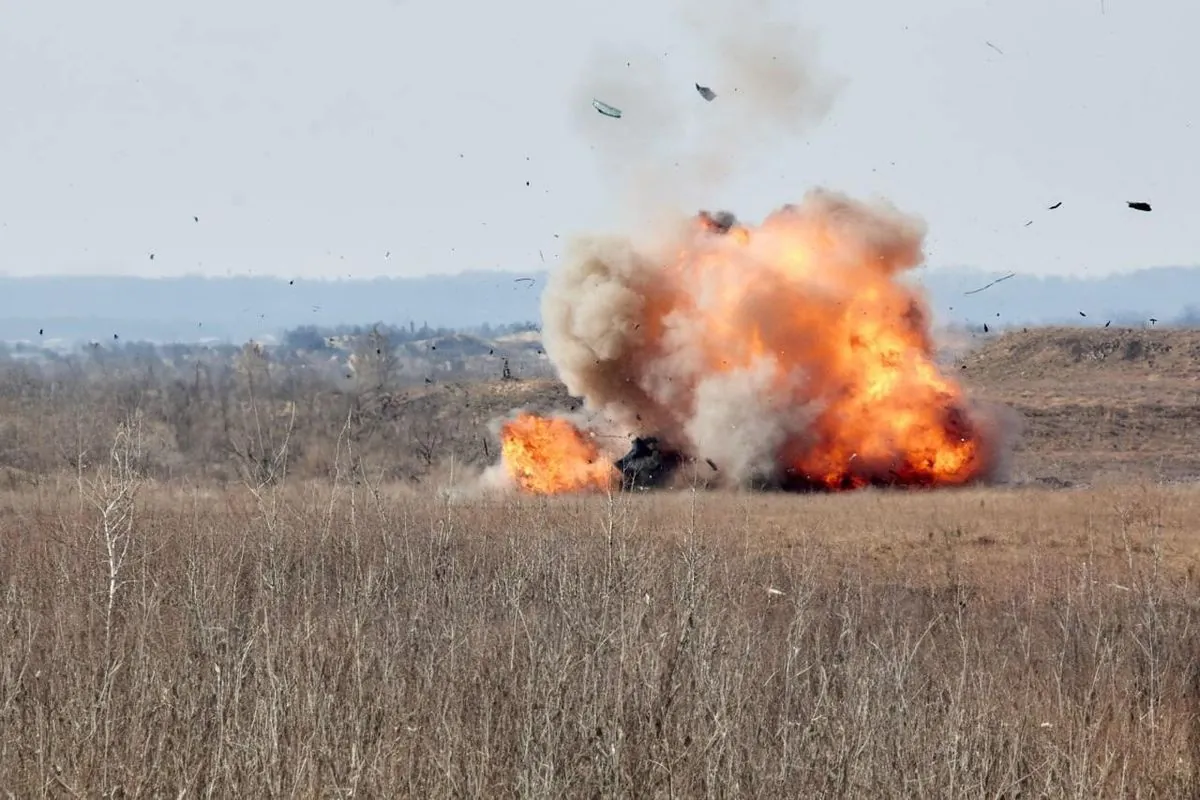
(112, 493)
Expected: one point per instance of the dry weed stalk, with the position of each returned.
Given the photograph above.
(112, 493)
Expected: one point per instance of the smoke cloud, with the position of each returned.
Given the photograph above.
(671, 148)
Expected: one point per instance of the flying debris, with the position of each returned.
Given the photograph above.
(1056, 205)
(196, 219)
(985, 328)
(1138, 206)
(1082, 314)
(518, 280)
(606, 109)
(1108, 323)
(997, 49)
(705, 92)
(993, 283)
(1027, 224)
(1153, 320)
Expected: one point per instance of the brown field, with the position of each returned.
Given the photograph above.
(279, 592)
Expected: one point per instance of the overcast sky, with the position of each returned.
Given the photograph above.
(313, 138)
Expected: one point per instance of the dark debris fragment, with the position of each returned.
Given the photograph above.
(990, 285)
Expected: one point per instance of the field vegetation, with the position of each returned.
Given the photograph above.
(251, 583)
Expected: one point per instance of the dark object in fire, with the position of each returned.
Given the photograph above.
(1138, 206)
(719, 222)
(648, 464)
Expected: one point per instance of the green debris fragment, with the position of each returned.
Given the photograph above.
(606, 109)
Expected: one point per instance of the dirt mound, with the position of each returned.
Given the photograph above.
(1037, 353)
(1116, 402)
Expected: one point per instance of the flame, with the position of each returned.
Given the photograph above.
(549, 455)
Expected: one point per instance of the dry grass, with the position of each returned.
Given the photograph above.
(375, 642)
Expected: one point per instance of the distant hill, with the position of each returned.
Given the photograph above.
(239, 308)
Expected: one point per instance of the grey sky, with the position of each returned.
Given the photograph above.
(312, 138)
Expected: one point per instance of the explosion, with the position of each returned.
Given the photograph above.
(791, 353)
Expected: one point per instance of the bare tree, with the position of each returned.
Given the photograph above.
(262, 431)
(375, 365)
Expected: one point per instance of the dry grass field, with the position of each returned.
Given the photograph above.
(353, 633)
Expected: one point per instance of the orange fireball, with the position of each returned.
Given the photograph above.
(549, 455)
(817, 300)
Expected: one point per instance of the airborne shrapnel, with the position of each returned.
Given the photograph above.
(719, 222)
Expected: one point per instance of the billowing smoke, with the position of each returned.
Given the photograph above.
(792, 352)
